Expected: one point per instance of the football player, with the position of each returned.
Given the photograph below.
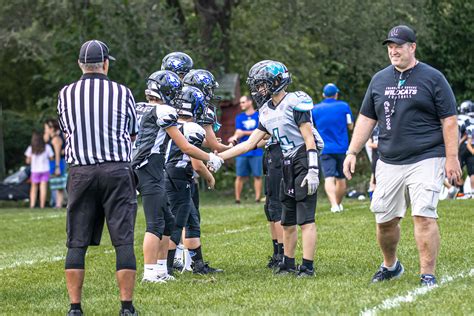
(157, 125)
(273, 207)
(466, 110)
(190, 104)
(286, 116)
(181, 64)
(206, 83)
(177, 62)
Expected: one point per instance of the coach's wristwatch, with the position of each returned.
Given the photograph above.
(351, 152)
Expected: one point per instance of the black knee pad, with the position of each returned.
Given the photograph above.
(75, 258)
(125, 257)
(176, 235)
(193, 232)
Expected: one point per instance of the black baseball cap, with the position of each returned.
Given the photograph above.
(400, 34)
(94, 51)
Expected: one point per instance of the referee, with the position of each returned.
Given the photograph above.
(98, 119)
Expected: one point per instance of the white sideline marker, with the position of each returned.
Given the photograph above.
(411, 296)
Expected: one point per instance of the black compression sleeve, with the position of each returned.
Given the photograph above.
(301, 117)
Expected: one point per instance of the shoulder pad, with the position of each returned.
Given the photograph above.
(301, 101)
(209, 118)
(166, 116)
(194, 133)
(191, 127)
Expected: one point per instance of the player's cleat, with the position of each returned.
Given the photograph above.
(153, 280)
(282, 269)
(303, 272)
(178, 265)
(428, 280)
(201, 267)
(127, 312)
(384, 274)
(335, 209)
(74, 312)
(166, 277)
(453, 193)
(274, 260)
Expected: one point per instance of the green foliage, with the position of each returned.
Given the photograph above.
(18, 129)
(236, 238)
(450, 45)
(320, 41)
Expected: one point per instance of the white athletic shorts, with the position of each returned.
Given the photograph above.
(398, 186)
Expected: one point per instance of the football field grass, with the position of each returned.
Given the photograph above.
(236, 239)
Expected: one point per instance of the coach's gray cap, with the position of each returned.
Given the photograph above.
(94, 51)
(400, 34)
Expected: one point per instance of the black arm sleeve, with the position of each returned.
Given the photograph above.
(262, 128)
(302, 117)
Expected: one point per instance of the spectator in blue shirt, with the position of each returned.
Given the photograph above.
(250, 163)
(332, 119)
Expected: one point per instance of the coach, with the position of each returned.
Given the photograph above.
(415, 109)
(98, 119)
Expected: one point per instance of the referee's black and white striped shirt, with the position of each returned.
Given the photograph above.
(98, 117)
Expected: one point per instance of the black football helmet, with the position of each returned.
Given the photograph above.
(259, 98)
(177, 62)
(163, 84)
(272, 75)
(466, 108)
(203, 80)
(191, 102)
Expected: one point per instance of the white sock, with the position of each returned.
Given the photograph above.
(179, 252)
(149, 272)
(161, 267)
(392, 268)
(187, 259)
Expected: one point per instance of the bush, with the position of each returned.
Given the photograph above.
(17, 130)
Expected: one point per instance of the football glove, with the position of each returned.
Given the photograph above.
(214, 162)
(312, 180)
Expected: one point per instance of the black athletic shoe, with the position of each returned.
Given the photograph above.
(282, 269)
(201, 267)
(428, 280)
(127, 312)
(274, 260)
(384, 274)
(74, 312)
(304, 272)
(178, 265)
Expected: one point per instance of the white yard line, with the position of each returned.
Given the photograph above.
(234, 231)
(37, 218)
(32, 262)
(410, 296)
(21, 263)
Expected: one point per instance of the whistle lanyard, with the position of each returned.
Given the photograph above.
(400, 83)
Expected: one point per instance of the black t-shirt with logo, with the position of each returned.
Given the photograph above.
(408, 108)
